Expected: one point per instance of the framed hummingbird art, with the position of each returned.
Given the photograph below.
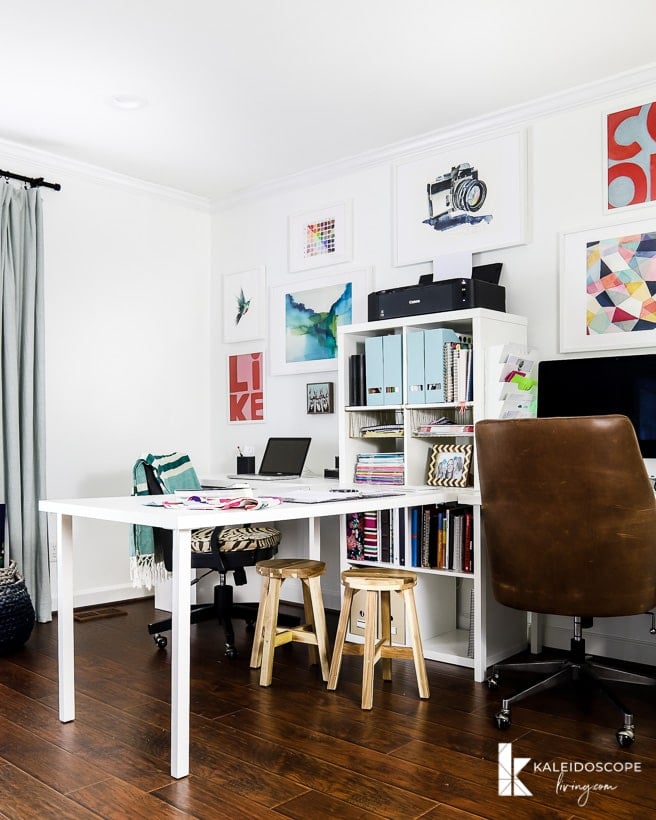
(244, 309)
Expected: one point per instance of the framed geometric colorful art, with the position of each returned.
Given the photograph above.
(629, 152)
(607, 284)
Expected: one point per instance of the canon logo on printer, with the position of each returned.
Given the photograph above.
(414, 301)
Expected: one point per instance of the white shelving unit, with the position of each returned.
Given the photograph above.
(448, 627)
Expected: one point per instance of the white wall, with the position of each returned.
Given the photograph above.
(565, 178)
(127, 344)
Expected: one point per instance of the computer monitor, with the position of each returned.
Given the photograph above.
(601, 386)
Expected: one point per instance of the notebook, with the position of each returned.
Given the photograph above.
(284, 458)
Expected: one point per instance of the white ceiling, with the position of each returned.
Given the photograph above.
(240, 93)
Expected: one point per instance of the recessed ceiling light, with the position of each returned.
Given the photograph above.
(128, 102)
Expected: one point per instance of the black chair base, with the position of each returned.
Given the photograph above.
(577, 666)
(223, 610)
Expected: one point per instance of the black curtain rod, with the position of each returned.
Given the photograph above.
(34, 182)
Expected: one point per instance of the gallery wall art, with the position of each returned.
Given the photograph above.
(630, 157)
(320, 237)
(319, 398)
(466, 197)
(246, 387)
(305, 317)
(607, 284)
(244, 307)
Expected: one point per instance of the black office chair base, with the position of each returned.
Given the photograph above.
(577, 667)
(223, 610)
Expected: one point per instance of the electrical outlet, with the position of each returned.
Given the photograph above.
(53, 553)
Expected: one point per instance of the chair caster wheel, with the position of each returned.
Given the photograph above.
(160, 641)
(493, 682)
(231, 652)
(502, 719)
(625, 737)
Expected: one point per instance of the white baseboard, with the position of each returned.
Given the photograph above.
(604, 645)
(103, 595)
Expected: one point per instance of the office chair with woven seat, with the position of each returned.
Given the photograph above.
(218, 549)
(569, 517)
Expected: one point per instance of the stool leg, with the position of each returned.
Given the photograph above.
(342, 626)
(415, 641)
(370, 635)
(320, 629)
(309, 619)
(256, 653)
(386, 631)
(270, 631)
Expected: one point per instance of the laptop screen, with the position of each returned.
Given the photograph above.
(285, 456)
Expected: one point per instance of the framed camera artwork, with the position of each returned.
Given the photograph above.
(449, 465)
(463, 197)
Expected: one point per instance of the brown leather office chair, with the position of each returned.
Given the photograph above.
(569, 517)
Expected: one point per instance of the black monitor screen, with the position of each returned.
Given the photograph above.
(603, 385)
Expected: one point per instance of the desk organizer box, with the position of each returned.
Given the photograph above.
(16, 610)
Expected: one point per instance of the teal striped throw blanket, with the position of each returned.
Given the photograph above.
(173, 471)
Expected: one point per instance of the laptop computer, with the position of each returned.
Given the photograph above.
(284, 458)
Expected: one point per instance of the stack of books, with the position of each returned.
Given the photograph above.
(441, 537)
(370, 536)
(379, 468)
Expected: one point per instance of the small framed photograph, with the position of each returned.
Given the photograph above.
(449, 465)
(320, 398)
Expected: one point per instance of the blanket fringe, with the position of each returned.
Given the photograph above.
(145, 572)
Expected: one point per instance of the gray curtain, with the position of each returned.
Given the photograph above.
(22, 388)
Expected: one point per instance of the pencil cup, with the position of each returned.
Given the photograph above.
(245, 464)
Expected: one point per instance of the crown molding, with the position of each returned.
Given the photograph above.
(517, 115)
(50, 165)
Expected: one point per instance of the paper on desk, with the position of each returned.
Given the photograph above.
(199, 501)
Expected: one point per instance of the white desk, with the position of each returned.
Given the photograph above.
(133, 510)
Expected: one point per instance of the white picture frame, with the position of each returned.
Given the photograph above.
(627, 149)
(321, 237)
(603, 303)
(488, 219)
(294, 346)
(244, 305)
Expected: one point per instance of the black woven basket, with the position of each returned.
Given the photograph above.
(16, 610)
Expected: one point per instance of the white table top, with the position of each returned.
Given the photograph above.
(135, 509)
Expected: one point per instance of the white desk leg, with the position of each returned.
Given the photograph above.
(314, 539)
(180, 636)
(65, 637)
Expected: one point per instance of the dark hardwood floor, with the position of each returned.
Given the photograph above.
(295, 749)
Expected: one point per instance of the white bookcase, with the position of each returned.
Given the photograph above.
(484, 633)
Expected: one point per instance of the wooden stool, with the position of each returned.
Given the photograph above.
(378, 581)
(268, 635)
